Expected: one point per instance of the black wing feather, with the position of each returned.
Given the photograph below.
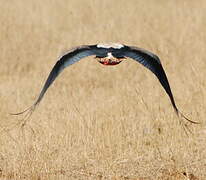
(68, 59)
(152, 62)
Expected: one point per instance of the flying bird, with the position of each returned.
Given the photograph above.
(109, 54)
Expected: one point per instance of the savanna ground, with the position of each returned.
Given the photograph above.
(98, 122)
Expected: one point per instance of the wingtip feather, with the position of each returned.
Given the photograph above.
(182, 115)
(31, 108)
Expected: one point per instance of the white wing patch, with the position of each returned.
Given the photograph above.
(110, 45)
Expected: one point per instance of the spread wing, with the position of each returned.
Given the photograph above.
(68, 59)
(152, 62)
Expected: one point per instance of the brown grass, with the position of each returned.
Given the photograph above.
(98, 122)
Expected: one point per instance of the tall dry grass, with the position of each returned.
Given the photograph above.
(98, 122)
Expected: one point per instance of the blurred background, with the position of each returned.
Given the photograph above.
(98, 122)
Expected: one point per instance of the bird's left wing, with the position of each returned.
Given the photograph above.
(152, 62)
(67, 59)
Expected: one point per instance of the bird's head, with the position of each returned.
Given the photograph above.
(110, 59)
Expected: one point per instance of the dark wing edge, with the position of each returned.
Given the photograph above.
(67, 59)
(152, 62)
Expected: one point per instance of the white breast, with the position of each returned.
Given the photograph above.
(109, 55)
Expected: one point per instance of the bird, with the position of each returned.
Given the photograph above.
(109, 54)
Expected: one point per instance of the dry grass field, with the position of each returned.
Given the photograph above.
(97, 122)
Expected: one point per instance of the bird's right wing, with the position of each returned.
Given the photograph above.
(68, 59)
(152, 62)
